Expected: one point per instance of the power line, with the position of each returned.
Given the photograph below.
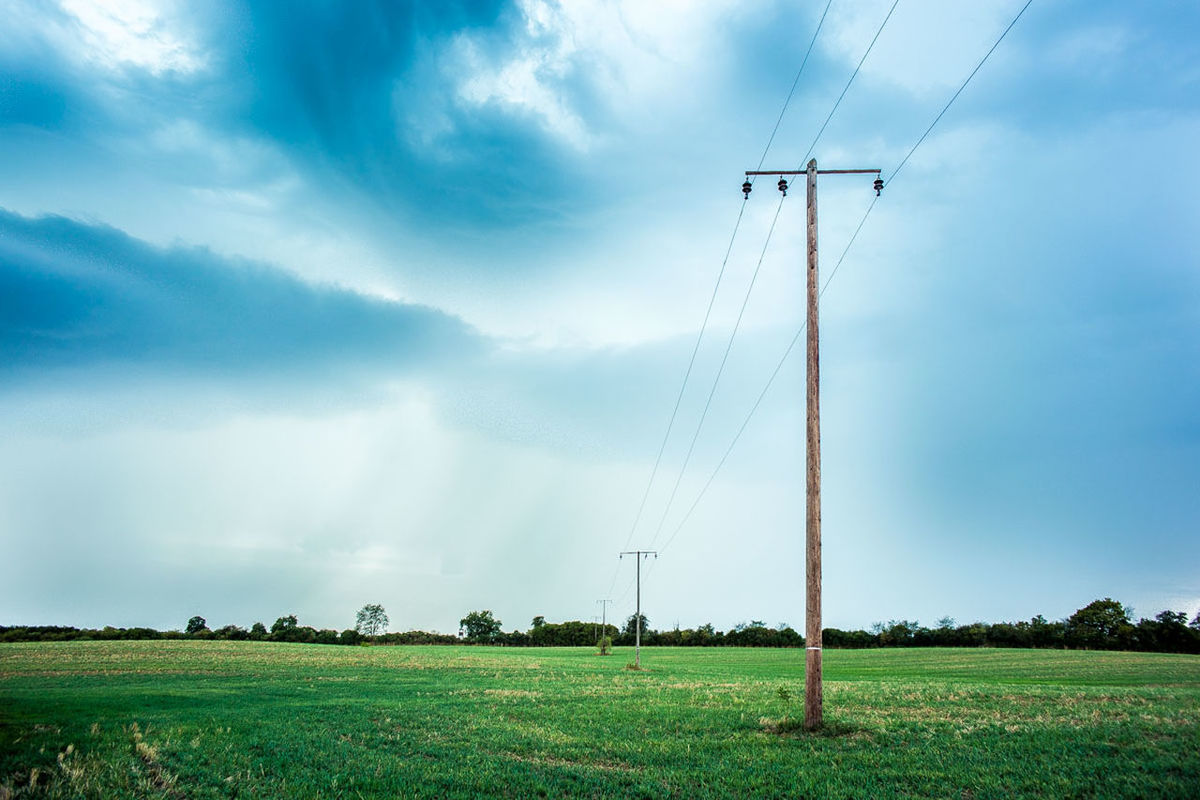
(713, 297)
(682, 387)
(766, 244)
(960, 88)
(758, 401)
(687, 375)
(796, 82)
(837, 266)
(716, 380)
(833, 110)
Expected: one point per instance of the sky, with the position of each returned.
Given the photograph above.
(311, 305)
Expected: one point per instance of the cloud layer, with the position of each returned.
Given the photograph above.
(75, 295)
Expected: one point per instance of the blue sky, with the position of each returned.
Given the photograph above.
(309, 306)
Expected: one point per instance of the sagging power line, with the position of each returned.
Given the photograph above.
(712, 299)
(800, 332)
(753, 279)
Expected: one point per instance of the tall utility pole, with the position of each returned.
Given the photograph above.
(639, 555)
(603, 618)
(813, 708)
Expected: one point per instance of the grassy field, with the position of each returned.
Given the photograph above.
(233, 719)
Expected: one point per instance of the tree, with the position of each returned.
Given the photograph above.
(1101, 623)
(371, 620)
(285, 624)
(234, 632)
(539, 621)
(195, 625)
(631, 625)
(258, 631)
(480, 626)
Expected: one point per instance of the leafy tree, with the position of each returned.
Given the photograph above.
(371, 620)
(1101, 623)
(1167, 633)
(705, 633)
(1171, 618)
(899, 632)
(196, 625)
(946, 623)
(538, 621)
(285, 625)
(1195, 623)
(234, 632)
(631, 625)
(258, 631)
(605, 645)
(480, 626)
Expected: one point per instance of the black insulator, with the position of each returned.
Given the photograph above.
(783, 186)
(746, 187)
(878, 186)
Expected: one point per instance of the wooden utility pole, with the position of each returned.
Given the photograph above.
(638, 555)
(813, 704)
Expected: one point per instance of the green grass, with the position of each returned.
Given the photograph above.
(224, 719)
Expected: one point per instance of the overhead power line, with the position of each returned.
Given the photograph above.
(791, 345)
(960, 89)
(795, 83)
(854, 75)
(686, 376)
(753, 279)
(717, 379)
(762, 394)
(713, 297)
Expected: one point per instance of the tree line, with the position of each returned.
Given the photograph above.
(1100, 625)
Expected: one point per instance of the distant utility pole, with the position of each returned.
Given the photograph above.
(603, 617)
(813, 711)
(639, 555)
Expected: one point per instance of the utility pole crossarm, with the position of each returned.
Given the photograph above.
(819, 172)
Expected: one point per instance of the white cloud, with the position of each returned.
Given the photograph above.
(522, 85)
(626, 53)
(133, 33)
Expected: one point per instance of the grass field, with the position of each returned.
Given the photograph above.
(177, 719)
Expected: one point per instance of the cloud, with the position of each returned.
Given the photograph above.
(75, 294)
(577, 68)
(134, 33)
(185, 321)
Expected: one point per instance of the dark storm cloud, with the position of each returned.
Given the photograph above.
(339, 89)
(78, 294)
